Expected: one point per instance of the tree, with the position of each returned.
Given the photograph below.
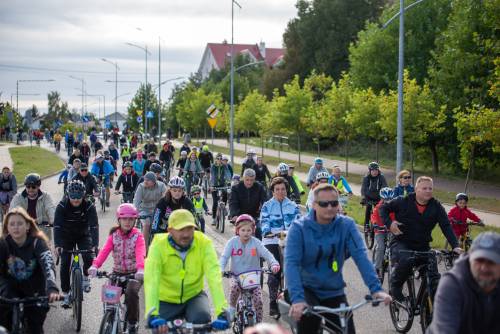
(250, 112)
(57, 110)
(192, 109)
(137, 103)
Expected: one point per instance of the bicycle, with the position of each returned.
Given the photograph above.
(368, 230)
(102, 192)
(465, 240)
(421, 303)
(221, 213)
(127, 196)
(281, 235)
(191, 179)
(58, 146)
(19, 324)
(76, 284)
(245, 312)
(205, 182)
(344, 313)
(115, 313)
(447, 257)
(386, 267)
(181, 326)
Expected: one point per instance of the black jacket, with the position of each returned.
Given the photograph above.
(261, 172)
(370, 189)
(206, 159)
(90, 183)
(164, 209)
(148, 164)
(247, 164)
(73, 157)
(129, 181)
(417, 228)
(26, 270)
(166, 156)
(148, 148)
(461, 307)
(247, 200)
(75, 222)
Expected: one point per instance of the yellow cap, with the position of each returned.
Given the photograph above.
(181, 218)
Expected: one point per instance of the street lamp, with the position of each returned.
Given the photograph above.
(104, 102)
(159, 104)
(12, 95)
(17, 89)
(146, 52)
(231, 120)
(115, 64)
(83, 88)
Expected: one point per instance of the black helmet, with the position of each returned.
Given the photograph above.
(106, 152)
(76, 189)
(32, 179)
(155, 168)
(373, 166)
(461, 196)
(127, 164)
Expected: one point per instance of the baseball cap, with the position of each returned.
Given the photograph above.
(487, 246)
(180, 219)
(318, 160)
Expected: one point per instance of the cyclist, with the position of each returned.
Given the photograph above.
(403, 187)
(262, 174)
(129, 179)
(146, 196)
(206, 158)
(200, 206)
(276, 216)
(36, 202)
(386, 194)
(98, 146)
(225, 162)
(249, 161)
(315, 169)
(174, 199)
(291, 170)
(195, 150)
(75, 225)
(157, 170)
(468, 299)
(151, 147)
(102, 169)
(93, 139)
(8, 188)
(74, 170)
(129, 250)
(292, 191)
(317, 245)
(76, 155)
(125, 153)
(219, 177)
(89, 181)
(460, 213)
(138, 163)
(192, 171)
(113, 151)
(174, 276)
(184, 148)
(85, 151)
(151, 160)
(70, 141)
(416, 216)
(181, 162)
(57, 141)
(64, 176)
(26, 268)
(245, 252)
(247, 196)
(321, 177)
(108, 157)
(166, 156)
(339, 182)
(373, 182)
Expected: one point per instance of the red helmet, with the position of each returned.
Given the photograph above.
(244, 218)
(126, 210)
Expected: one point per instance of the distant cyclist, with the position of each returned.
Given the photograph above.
(102, 169)
(315, 169)
(373, 182)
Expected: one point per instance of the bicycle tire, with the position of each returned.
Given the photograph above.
(106, 326)
(222, 220)
(395, 314)
(77, 296)
(205, 187)
(426, 309)
(369, 236)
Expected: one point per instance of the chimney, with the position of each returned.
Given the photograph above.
(262, 49)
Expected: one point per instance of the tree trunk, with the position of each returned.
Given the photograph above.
(346, 143)
(298, 146)
(319, 153)
(262, 146)
(412, 158)
(246, 141)
(434, 157)
(470, 169)
(376, 150)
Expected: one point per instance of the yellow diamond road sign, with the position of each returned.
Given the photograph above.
(212, 122)
(212, 111)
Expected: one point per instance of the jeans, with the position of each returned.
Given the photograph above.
(195, 310)
(380, 251)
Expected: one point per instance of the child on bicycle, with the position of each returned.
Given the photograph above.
(460, 213)
(26, 268)
(386, 194)
(245, 252)
(200, 205)
(128, 247)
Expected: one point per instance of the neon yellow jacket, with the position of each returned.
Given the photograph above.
(297, 182)
(170, 279)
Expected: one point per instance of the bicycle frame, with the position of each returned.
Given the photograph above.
(18, 305)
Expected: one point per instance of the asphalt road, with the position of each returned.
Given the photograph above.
(367, 319)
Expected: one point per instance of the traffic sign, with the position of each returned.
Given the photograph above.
(212, 122)
(149, 114)
(85, 119)
(139, 119)
(212, 111)
(139, 112)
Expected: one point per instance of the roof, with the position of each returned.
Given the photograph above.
(222, 52)
(273, 55)
(111, 117)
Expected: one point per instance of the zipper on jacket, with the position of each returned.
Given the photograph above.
(183, 277)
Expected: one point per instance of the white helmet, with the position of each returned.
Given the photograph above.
(184, 153)
(322, 175)
(251, 151)
(176, 182)
(283, 168)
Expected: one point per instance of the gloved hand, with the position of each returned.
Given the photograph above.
(92, 271)
(155, 321)
(480, 223)
(139, 275)
(222, 322)
(275, 268)
(363, 201)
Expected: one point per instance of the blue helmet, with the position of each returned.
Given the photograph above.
(386, 193)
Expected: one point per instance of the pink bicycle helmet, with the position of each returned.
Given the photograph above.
(244, 218)
(126, 210)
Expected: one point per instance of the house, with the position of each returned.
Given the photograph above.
(217, 54)
(115, 118)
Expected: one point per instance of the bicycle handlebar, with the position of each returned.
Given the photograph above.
(38, 301)
(343, 309)
(115, 276)
(229, 274)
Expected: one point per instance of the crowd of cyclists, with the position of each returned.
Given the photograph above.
(159, 236)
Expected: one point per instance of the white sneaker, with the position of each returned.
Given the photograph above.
(65, 300)
(232, 313)
(86, 284)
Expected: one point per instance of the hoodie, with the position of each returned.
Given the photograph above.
(129, 181)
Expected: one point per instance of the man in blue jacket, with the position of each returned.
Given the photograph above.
(102, 169)
(314, 258)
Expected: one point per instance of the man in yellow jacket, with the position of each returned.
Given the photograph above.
(174, 273)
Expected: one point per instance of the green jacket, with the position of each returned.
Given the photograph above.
(298, 183)
(170, 279)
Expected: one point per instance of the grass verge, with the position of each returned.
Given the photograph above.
(34, 160)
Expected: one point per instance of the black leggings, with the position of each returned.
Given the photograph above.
(274, 280)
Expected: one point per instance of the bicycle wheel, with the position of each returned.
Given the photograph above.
(369, 235)
(426, 309)
(106, 326)
(205, 187)
(402, 316)
(222, 218)
(77, 296)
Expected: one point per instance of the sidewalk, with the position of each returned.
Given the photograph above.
(5, 160)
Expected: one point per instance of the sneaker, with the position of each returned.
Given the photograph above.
(132, 328)
(273, 309)
(86, 284)
(65, 300)
(232, 313)
(107, 204)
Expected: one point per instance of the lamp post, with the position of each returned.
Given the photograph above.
(159, 104)
(231, 113)
(115, 64)
(104, 102)
(17, 89)
(146, 52)
(83, 89)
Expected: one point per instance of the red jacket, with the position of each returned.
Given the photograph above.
(458, 219)
(377, 220)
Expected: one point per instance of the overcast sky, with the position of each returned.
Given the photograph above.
(53, 39)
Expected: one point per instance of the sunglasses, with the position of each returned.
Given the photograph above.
(84, 170)
(406, 177)
(195, 194)
(31, 186)
(75, 196)
(324, 204)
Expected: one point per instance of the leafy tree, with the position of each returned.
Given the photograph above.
(57, 110)
(137, 103)
(192, 109)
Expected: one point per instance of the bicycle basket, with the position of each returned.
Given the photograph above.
(249, 279)
(111, 294)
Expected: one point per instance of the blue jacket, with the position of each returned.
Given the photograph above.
(107, 169)
(114, 153)
(63, 176)
(399, 190)
(276, 216)
(315, 254)
(139, 166)
(343, 184)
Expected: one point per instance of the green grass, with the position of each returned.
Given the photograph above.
(34, 160)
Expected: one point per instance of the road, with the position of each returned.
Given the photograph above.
(367, 319)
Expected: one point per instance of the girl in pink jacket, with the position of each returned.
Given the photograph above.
(128, 247)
